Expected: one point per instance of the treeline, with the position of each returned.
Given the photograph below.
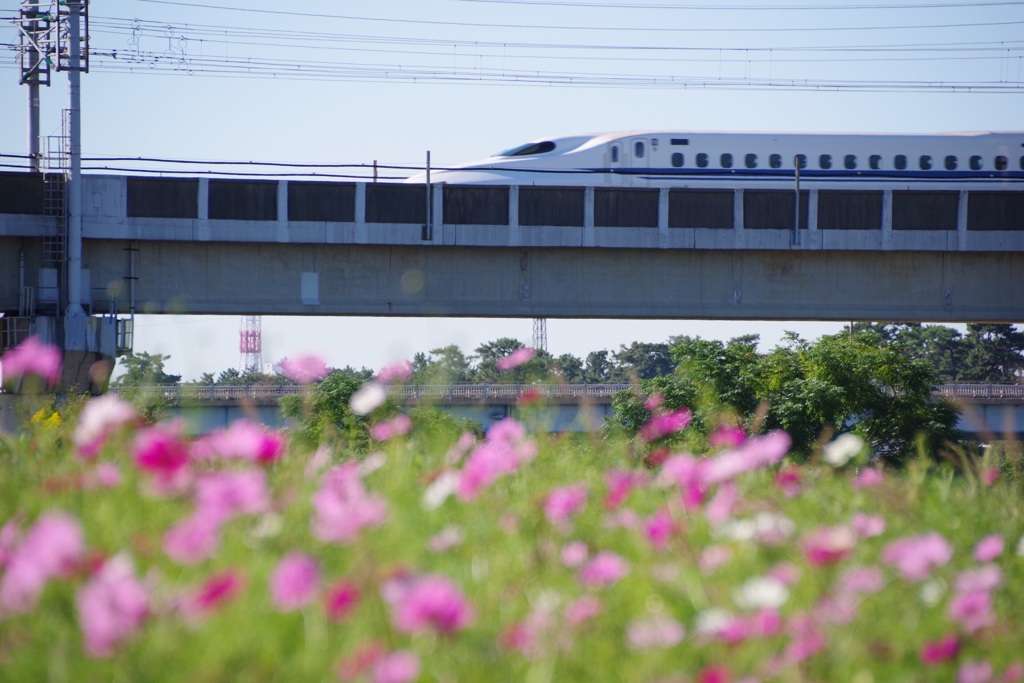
(984, 354)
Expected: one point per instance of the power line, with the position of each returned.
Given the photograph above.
(733, 8)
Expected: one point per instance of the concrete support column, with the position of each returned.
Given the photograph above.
(362, 230)
(514, 236)
(203, 200)
(663, 217)
(812, 211)
(887, 219)
(589, 239)
(961, 221)
(737, 217)
(437, 204)
(282, 211)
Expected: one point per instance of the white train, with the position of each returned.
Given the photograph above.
(690, 159)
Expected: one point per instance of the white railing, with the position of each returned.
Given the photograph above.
(484, 392)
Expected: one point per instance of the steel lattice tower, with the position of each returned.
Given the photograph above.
(250, 344)
(540, 334)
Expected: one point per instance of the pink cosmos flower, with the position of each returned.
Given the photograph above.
(868, 526)
(1014, 673)
(653, 401)
(9, 535)
(755, 453)
(659, 528)
(221, 496)
(916, 556)
(294, 582)
(53, 547)
(789, 481)
(242, 440)
(505, 449)
(807, 640)
(620, 483)
(111, 606)
(563, 503)
(161, 450)
(582, 610)
(689, 475)
(105, 475)
(192, 540)
(514, 359)
(341, 599)
(713, 557)
(659, 631)
(726, 436)
(989, 548)
(304, 369)
(344, 507)
(32, 357)
(401, 666)
(428, 602)
(861, 580)
(446, 539)
(867, 478)
(605, 569)
(939, 651)
(719, 508)
(100, 418)
(974, 672)
(972, 610)
(575, 554)
(400, 425)
(828, 545)
(216, 590)
(396, 372)
(981, 580)
(762, 624)
(663, 424)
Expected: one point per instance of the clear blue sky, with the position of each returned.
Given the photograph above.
(354, 82)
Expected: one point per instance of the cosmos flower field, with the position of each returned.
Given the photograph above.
(131, 552)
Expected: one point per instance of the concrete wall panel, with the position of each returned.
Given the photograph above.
(319, 201)
(162, 197)
(243, 200)
(995, 211)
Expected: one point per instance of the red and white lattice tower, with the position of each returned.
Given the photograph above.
(250, 344)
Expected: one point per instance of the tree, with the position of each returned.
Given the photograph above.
(994, 353)
(444, 365)
(568, 368)
(598, 368)
(645, 360)
(327, 414)
(142, 369)
(488, 354)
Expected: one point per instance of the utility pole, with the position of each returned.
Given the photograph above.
(75, 325)
(36, 38)
(540, 334)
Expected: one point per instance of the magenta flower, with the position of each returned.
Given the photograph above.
(660, 631)
(828, 545)
(861, 580)
(789, 481)
(727, 437)
(100, 418)
(192, 540)
(663, 424)
(989, 548)
(505, 449)
(428, 602)
(868, 526)
(396, 372)
(981, 580)
(605, 569)
(294, 582)
(111, 606)
(344, 507)
(243, 440)
(9, 535)
(400, 425)
(563, 503)
(575, 554)
(659, 528)
(341, 599)
(514, 359)
(867, 478)
(32, 357)
(160, 450)
(916, 556)
(53, 547)
(755, 453)
(719, 508)
(940, 651)
(221, 496)
(620, 483)
(216, 590)
(304, 369)
(401, 666)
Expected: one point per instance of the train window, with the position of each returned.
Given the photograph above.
(680, 141)
(800, 161)
(677, 159)
(976, 163)
(726, 160)
(528, 150)
(615, 154)
(925, 162)
(750, 161)
(702, 160)
(950, 163)
(900, 162)
(1022, 163)
(875, 162)
(825, 161)
(775, 161)
(638, 149)
(850, 162)
(1002, 163)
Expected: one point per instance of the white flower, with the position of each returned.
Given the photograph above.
(932, 592)
(761, 592)
(1020, 547)
(711, 621)
(840, 450)
(439, 489)
(367, 397)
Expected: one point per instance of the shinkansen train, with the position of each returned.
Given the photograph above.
(993, 160)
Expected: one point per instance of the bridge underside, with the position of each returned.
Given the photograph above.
(406, 280)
